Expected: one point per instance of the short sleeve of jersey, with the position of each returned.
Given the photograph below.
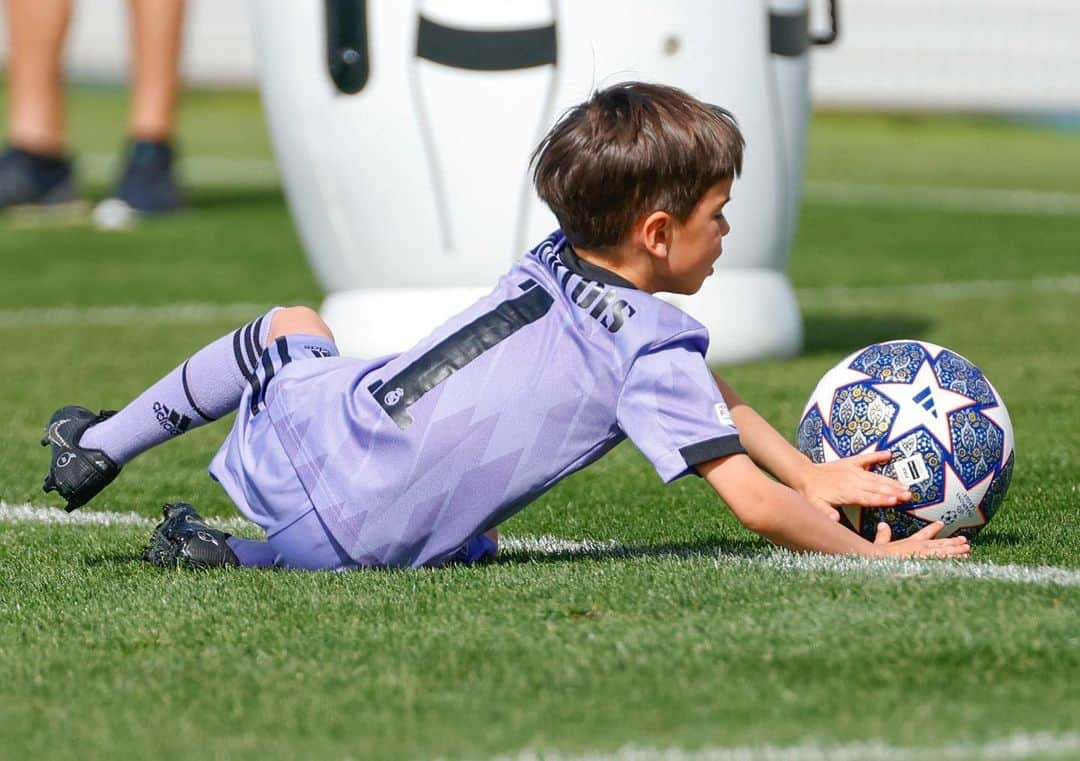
(673, 411)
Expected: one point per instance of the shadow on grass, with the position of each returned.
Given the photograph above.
(530, 550)
(115, 560)
(1000, 539)
(542, 551)
(212, 199)
(833, 333)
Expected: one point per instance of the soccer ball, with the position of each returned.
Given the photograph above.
(945, 425)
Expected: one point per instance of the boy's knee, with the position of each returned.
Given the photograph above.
(299, 319)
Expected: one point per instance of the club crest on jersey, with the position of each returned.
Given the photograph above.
(602, 302)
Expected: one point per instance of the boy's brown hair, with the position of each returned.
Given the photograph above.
(631, 149)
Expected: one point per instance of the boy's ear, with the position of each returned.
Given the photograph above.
(656, 231)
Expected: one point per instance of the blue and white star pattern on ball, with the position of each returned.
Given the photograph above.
(945, 425)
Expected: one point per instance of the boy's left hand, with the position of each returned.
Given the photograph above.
(849, 482)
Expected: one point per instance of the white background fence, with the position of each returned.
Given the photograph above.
(970, 55)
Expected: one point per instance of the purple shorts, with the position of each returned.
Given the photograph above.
(251, 464)
(253, 468)
(305, 544)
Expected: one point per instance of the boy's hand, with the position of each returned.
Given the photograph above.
(921, 544)
(831, 485)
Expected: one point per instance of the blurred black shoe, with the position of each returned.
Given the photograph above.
(147, 186)
(184, 539)
(35, 181)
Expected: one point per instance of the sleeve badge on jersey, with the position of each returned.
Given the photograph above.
(723, 414)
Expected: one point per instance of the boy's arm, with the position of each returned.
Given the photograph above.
(825, 486)
(784, 517)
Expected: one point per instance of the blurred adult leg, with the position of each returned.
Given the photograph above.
(36, 116)
(147, 183)
(35, 172)
(156, 35)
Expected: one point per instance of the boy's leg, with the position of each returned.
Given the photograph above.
(297, 320)
(184, 539)
(89, 450)
(282, 549)
(253, 553)
(307, 545)
(482, 548)
(201, 389)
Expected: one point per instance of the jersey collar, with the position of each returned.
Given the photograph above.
(590, 271)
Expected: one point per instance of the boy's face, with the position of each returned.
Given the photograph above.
(696, 243)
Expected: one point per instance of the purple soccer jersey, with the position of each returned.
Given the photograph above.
(408, 457)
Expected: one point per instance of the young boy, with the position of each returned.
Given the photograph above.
(414, 459)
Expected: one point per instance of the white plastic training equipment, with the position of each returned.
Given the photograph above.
(403, 131)
(944, 423)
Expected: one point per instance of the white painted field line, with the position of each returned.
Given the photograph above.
(785, 560)
(548, 545)
(936, 293)
(930, 198)
(1017, 746)
(126, 314)
(57, 517)
(1015, 574)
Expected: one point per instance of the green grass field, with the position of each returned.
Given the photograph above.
(682, 632)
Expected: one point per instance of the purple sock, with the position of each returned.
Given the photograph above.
(202, 389)
(252, 553)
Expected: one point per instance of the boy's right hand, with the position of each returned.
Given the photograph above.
(921, 544)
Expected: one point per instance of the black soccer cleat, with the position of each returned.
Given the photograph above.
(77, 474)
(34, 181)
(184, 540)
(148, 184)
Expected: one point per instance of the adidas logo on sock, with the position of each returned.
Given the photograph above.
(171, 420)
